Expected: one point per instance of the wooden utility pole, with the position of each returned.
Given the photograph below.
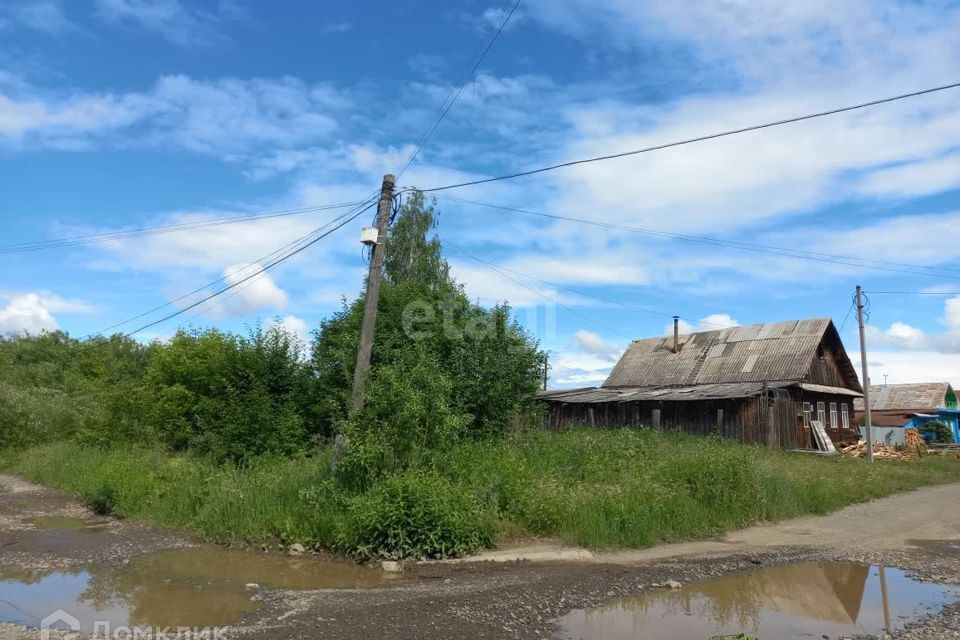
(866, 376)
(362, 371)
(546, 369)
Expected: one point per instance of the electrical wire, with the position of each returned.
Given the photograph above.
(852, 261)
(917, 293)
(225, 276)
(711, 136)
(286, 256)
(256, 274)
(454, 93)
(853, 303)
(55, 243)
(222, 301)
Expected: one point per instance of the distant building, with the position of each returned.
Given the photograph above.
(895, 407)
(763, 383)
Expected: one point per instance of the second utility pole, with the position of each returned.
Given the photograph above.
(362, 370)
(866, 377)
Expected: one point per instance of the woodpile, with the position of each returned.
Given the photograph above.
(880, 452)
(914, 447)
(912, 439)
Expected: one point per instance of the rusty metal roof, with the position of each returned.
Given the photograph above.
(755, 353)
(922, 395)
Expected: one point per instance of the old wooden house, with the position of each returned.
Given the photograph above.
(763, 383)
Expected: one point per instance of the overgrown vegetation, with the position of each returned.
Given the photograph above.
(232, 436)
(603, 489)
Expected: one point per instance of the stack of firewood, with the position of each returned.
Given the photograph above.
(912, 439)
(880, 451)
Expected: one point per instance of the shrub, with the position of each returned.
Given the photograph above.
(416, 514)
(936, 431)
(406, 420)
(229, 396)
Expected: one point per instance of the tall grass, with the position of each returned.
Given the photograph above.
(602, 489)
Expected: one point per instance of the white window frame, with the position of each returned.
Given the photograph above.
(807, 414)
(822, 413)
(845, 415)
(834, 423)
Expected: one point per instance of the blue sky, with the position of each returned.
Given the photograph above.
(118, 114)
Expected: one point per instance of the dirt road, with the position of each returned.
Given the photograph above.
(40, 540)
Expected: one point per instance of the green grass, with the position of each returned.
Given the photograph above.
(602, 489)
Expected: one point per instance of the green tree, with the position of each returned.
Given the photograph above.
(491, 365)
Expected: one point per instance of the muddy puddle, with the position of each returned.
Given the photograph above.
(60, 523)
(194, 587)
(806, 600)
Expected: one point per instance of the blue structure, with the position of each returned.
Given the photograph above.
(896, 407)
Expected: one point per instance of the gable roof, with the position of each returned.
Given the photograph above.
(921, 395)
(774, 351)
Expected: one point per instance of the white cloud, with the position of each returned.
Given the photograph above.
(747, 179)
(915, 179)
(590, 342)
(711, 322)
(913, 366)
(717, 321)
(250, 294)
(900, 334)
(861, 36)
(230, 118)
(295, 326)
(32, 313)
(595, 269)
(908, 337)
(181, 24)
(45, 16)
(490, 286)
(575, 368)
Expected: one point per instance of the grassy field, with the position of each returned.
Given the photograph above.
(602, 489)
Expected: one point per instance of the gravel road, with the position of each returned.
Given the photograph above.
(501, 594)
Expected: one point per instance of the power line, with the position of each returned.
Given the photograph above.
(54, 243)
(262, 270)
(851, 261)
(853, 303)
(454, 93)
(915, 293)
(712, 136)
(225, 276)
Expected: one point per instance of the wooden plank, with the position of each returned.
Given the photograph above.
(824, 443)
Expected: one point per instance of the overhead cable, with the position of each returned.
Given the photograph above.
(711, 136)
(852, 261)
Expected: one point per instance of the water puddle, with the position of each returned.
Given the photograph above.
(196, 587)
(60, 523)
(806, 600)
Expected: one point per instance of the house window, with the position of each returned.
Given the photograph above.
(807, 414)
(833, 415)
(845, 415)
(822, 413)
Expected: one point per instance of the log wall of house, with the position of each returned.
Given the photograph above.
(740, 419)
(775, 419)
(838, 433)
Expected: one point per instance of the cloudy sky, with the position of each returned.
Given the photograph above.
(122, 114)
